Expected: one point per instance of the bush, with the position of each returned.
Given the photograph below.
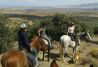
(85, 60)
(95, 30)
(94, 52)
(57, 25)
(7, 35)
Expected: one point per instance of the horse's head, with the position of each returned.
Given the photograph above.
(87, 36)
(84, 35)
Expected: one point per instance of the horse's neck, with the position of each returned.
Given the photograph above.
(36, 42)
(81, 33)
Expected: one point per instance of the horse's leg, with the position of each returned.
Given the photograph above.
(43, 55)
(75, 49)
(48, 52)
(61, 54)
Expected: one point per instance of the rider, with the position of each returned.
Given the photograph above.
(24, 43)
(22, 38)
(71, 31)
(42, 33)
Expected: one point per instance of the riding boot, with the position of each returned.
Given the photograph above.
(77, 42)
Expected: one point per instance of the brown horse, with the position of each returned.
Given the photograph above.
(14, 58)
(54, 64)
(40, 45)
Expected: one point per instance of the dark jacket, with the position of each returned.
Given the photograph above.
(23, 40)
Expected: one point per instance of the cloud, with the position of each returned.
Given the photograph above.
(27, 0)
(31, 0)
(45, 2)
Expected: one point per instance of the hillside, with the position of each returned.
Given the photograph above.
(86, 58)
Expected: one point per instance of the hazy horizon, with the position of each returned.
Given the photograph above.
(43, 3)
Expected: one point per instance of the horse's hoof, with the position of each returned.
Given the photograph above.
(64, 61)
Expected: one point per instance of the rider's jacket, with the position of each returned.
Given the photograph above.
(23, 40)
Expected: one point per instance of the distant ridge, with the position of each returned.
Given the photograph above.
(89, 6)
(82, 6)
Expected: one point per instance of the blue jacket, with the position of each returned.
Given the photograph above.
(23, 40)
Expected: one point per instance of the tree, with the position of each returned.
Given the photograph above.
(6, 35)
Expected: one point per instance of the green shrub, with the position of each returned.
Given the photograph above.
(7, 35)
(57, 25)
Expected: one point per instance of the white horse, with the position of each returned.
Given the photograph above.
(66, 42)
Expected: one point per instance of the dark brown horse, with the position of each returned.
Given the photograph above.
(54, 64)
(14, 58)
(40, 45)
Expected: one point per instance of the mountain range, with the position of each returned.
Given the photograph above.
(93, 6)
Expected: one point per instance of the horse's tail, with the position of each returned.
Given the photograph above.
(61, 42)
(4, 62)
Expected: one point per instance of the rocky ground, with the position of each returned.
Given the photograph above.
(84, 61)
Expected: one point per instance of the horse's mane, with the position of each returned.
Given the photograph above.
(35, 42)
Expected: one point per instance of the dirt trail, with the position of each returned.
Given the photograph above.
(84, 47)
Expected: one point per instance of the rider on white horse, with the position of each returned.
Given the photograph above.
(71, 32)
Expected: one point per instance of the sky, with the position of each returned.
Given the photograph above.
(44, 3)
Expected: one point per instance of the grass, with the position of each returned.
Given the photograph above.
(94, 52)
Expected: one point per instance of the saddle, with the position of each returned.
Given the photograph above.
(44, 44)
(72, 38)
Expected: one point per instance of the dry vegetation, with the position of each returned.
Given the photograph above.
(88, 57)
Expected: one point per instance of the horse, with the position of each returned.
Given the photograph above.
(66, 42)
(14, 58)
(41, 45)
(18, 58)
(54, 64)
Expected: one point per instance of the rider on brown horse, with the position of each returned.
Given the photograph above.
(42, 33)
(24, 43)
